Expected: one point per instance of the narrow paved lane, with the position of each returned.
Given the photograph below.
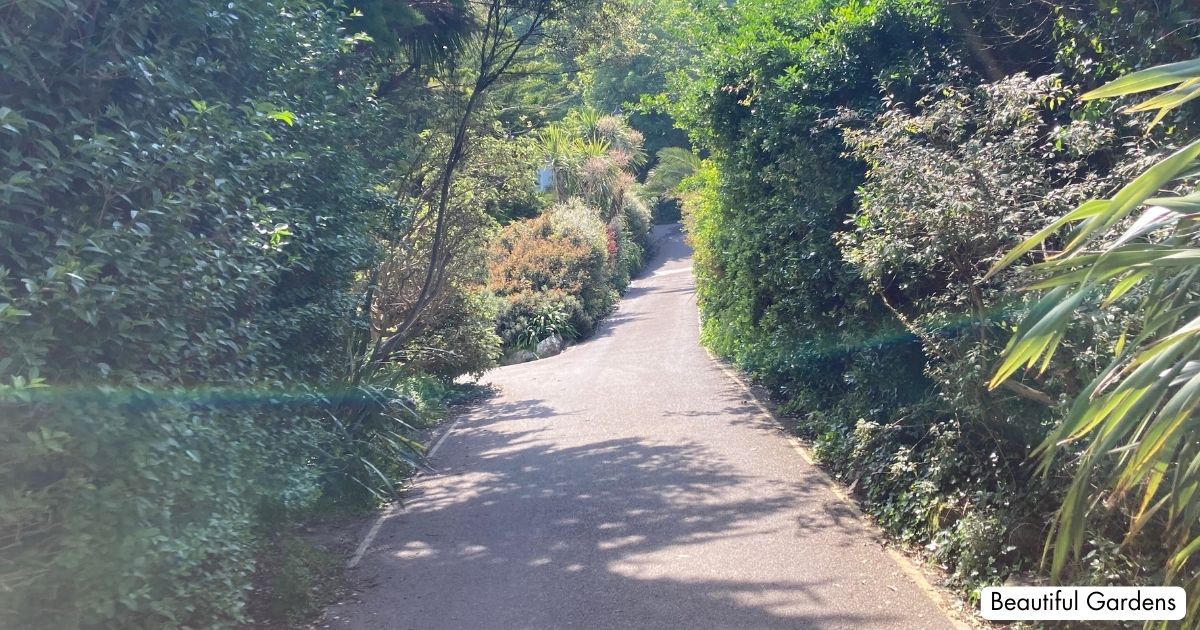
(628, 483)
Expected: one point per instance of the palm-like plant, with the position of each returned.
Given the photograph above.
(625, 141)
(586, 121)
(596, 176)
(591, 156)
(675, 164)
(561, 149)
(1137, 422)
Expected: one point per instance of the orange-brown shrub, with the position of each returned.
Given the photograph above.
(532, 256)
(536, 265)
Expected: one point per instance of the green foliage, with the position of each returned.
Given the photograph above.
(1136, 420)
(245, 248)
(561, 272)
(631, 233)
(522, 320)
(544, 324)
(867, 162)
(672, 166)
(951, 182)
(429, 33)
(633, 63)
(452, 335)
(591, 156)
(370, 448)
(296, 582)
(499, 177)
(461, 340)
(560, 255)
(985, 161)
(164, 234)
(197, 201)
(776, 293)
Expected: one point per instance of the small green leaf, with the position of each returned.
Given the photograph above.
(284, 116)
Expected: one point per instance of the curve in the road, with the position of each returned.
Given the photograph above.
(628, 483)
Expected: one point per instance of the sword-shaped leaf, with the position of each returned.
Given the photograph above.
(1087, 209)
(1041, 331)
(1168, 101)
(1185, 204)
(1136, 192)
(1148, 79)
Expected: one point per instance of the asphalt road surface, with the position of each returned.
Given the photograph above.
(628, 483)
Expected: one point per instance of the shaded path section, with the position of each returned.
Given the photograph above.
(627, 483)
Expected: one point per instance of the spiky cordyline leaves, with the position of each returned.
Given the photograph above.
(1138, 418)
(591, 155)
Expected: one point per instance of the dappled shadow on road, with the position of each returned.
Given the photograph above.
(734, 413)
(840, 516)
(529, 529)
(548, 517)
(637, 291)
(734, 408)
(612, 323)
(501, 411)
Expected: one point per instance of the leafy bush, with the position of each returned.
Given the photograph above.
(632, 241)
(198, 202)
(158, 168)
(948, 188)
(777, 295)
(951, 183)
(191, 191)
(637, 220)
(543, 324)
(535, 255)
(672, 166)
(560, 272)
(559, 254)
(867, 164)
(461, 340)
(576, 220)
(522, 321)
(294, 584)
(1136, 418)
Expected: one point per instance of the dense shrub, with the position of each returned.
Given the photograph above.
(950, 186)
(868, 162)
(527, 317)
(462, 339)
(555, 262)
(1129, 431)
(158, 168)
(193, 196)
(776, 293)
(453, 334)
(561, 272)
(632, 234)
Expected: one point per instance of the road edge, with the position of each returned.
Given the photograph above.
(395, 507)
(952, 606)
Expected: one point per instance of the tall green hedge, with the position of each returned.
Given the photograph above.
(180, 219)
(868, 161)
(777, 295)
